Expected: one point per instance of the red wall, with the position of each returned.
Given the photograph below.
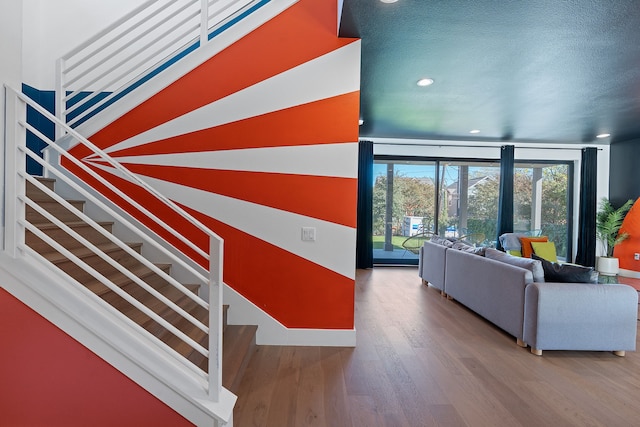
(49, 379)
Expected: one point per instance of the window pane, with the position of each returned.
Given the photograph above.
(468, 201)
(541, 200)
(403, 209)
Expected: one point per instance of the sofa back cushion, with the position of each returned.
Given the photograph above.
(441, 241)
(461, 246)
(533, 265)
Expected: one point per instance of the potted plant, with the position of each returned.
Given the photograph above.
(608, 223)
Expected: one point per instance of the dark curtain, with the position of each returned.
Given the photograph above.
(505, 196)
(364, 230)
(586, 254)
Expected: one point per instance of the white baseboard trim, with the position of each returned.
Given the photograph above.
(629, 273)
(271, 332)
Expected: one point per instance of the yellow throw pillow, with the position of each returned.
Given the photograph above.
(514, 252)
(525, 242)
(546, 250)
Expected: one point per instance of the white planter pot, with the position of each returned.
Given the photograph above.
(607, 266)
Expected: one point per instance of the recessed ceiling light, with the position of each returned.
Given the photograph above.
(388, 1)
(425, 82)
(603, 135)
(474, 131)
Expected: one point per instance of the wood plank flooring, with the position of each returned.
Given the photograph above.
(422, 360)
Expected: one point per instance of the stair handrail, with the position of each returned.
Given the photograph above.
(101, 205)
(90, 67)
(17, 127)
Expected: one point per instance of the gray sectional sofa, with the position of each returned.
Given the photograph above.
(543, 315)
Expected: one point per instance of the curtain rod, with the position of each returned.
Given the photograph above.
(477, 146)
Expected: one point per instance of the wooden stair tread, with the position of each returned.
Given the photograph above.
(83, 252)
(71, 224)
(52, 201)
(157, 306)
(119, 279)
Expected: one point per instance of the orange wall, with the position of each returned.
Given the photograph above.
(626, 250)
(49, 379)
(302, 287)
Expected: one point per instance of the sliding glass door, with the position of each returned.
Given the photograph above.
(416, 197)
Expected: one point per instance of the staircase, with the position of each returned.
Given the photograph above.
(169, 336)
(124, 283)
(238, 340)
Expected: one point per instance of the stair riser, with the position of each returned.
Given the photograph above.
(56, 210)
(35, 193)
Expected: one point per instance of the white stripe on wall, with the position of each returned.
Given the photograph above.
(333, 160)
(277, 227)
(333, 74)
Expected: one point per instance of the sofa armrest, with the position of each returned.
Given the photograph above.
(432, 264)
(580, 316)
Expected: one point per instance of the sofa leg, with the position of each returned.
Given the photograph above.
(443, 293)
(424, 282)
(521, 343)
(449, 297)
(620, 353)
(536, 351)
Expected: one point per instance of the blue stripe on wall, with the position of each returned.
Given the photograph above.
(45, 98)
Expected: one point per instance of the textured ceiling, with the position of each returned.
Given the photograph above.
(517, 70)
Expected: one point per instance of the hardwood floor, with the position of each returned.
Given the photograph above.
(422, 360)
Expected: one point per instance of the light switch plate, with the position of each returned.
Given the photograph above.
(309, 234)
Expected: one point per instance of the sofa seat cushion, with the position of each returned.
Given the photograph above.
(533, 265)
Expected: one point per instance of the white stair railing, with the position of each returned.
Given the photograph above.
(16, 225)
(135, 48)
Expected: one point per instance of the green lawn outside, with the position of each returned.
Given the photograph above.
(378, 242)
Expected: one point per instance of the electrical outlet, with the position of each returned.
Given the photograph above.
(636, 256)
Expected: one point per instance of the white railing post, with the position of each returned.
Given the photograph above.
(215, 317)
(15, 161)
(204, 22)
(60, 94)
